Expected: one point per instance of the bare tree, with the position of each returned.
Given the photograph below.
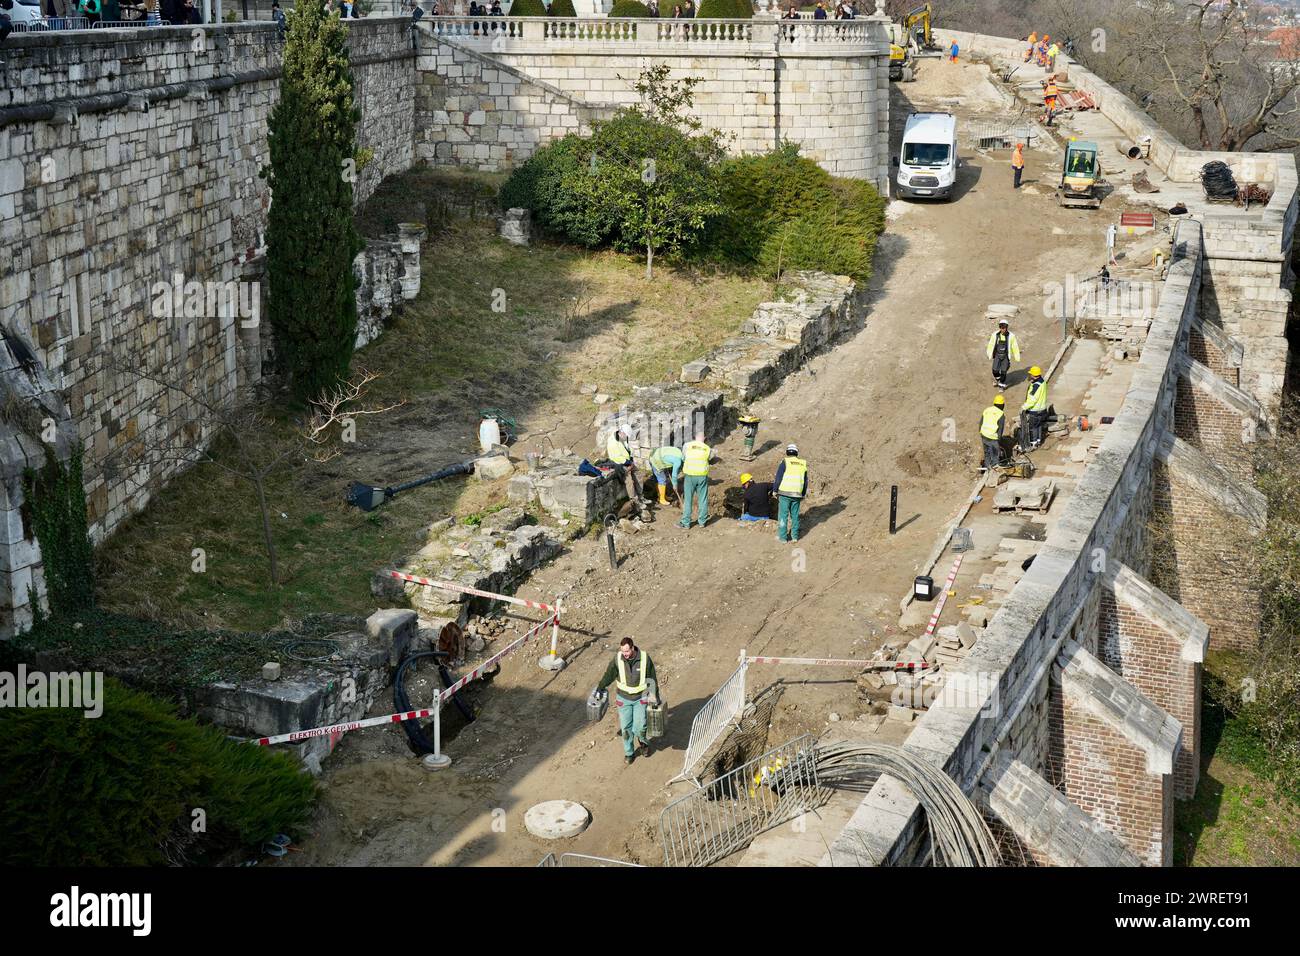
(246, 442)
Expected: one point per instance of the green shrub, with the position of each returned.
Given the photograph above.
(563, 8)
(725, 10)
(838, 237)
(543, 184)
(528, 8)
(629, 8)
(121, 789)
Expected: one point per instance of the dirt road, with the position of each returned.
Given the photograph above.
(883, 407)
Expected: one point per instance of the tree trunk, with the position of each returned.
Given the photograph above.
(649, 260)
(266, 531)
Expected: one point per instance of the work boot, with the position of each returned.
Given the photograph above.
(663, 495)
(628, 760)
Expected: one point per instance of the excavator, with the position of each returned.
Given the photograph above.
(1080, 176)
(907, 41)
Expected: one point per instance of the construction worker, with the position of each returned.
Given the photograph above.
(791, 484)
(757, 502)
(1017, 165)
(1052, 51)
(1035, 408)
(992, 420)
(1002, 349)
(1033, 41)
(617, 451)
(1050, 93)
(663, 461)
(632, 673)
(952, 52)
(1042, 50)
(695, 486)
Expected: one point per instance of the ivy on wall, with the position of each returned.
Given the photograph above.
(55, 509)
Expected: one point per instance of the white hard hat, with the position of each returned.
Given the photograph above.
(792, 449)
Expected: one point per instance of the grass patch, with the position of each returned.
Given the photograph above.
(1239, 815)
(567, 316)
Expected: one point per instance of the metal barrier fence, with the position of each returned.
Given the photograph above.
(725, 816)
(53, 23)
(998, 133)
(716, 716)
(582, 859)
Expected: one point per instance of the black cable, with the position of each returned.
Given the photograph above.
(402, 701)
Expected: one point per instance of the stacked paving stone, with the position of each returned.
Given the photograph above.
(555, 485)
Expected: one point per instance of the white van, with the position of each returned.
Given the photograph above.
(928, 164)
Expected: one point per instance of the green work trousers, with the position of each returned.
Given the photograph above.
(787, 515)
(695, 487)
(631, 721)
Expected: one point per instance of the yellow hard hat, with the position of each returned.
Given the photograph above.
(746, 478)
(1035, 371)
(999, 400)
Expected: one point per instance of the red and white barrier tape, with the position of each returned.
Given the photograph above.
(834, 661)
(943, 597)
(462, 589)
(443, 697)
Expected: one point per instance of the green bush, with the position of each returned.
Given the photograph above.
(528, 8)
(563, 8)
(543, 184)
(629, 8)
(838, 237)
(121, 789)
(725, 10)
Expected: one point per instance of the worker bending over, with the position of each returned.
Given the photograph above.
(791, 485)
(617, 451)
(1035, 408)
(666, 463)
(695, 486)
(1003, 349)
(757, 502)
(633, 675)
(992, 421)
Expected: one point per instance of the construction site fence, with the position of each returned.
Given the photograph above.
(713, 719)
(582, 859)
(726, 814)
(997, 134)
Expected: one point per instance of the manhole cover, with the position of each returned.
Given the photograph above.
(557, 819)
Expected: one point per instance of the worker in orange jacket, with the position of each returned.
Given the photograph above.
(1018, 164)
(1050, 93)
(1033, 41)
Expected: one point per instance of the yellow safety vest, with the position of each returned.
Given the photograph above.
(622, 683)
(1036, 401)
(616, 451)
(991, 422)
(792, 478)
(696, 455)
(1013, 347)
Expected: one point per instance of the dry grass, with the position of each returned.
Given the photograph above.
(448, 356)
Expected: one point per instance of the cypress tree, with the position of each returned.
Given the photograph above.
(311, 237)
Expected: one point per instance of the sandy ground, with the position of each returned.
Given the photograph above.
(881, 408)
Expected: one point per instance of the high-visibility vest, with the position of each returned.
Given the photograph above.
(991, 423)
(1013, 347)
(796, 469)
(696, 456)
(622, 683)
(1036, 398)
(1033, 38)
(1017, 162)
(616, 451)
(1050, 91)
(1053, 50)
(665, 457)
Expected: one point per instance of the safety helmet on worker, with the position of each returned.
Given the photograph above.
(746, 478)
(1035, 372)
(1002, 322)
(999, 400)
(792, 449)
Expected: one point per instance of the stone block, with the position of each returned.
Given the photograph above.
(493, 468)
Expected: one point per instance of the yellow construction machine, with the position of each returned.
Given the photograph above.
(908, 40)
(1080, 176)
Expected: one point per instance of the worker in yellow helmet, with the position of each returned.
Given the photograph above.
(992, 422)
(791, 485)
(1035, 411)
(695, 486)
(1003, 349)
(757, 502)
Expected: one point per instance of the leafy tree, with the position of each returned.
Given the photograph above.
(563, 8)
(629, 8)
(311, 237)
(528, 8)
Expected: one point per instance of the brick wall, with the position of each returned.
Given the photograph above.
(1150, 658)
(1106, 776)
(1203, 561)
(1215, 427)
(1209, 354)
